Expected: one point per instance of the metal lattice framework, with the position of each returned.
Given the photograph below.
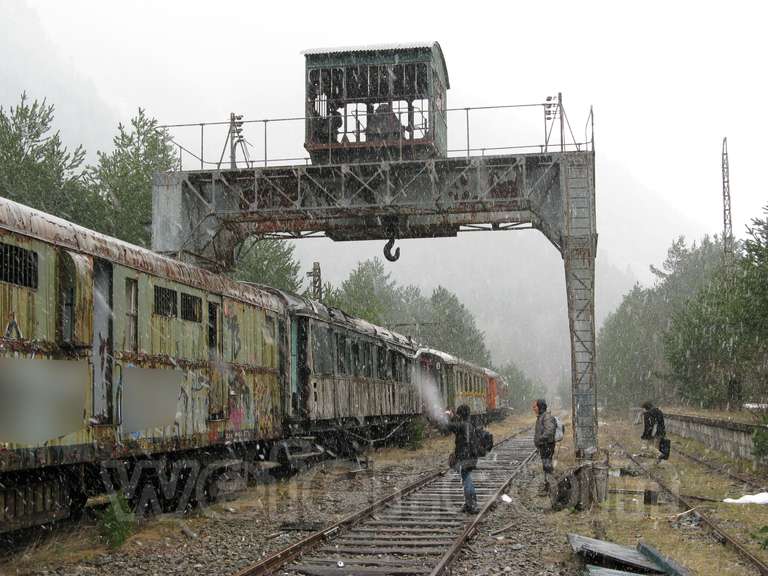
(204, 215)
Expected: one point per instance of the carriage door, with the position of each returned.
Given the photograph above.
(217, 381)
(101, 351)
(294, 387)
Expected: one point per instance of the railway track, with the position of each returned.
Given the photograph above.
(722, 534)
(417, 530)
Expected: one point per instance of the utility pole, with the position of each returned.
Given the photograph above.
(727, 227)
(317, 281)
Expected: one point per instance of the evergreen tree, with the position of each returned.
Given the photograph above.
(123, 178)
(269, 262)
(36, 169)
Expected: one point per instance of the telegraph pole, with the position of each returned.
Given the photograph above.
(317, 281)
(727, 226)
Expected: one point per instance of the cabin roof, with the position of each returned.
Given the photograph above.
(327, 54)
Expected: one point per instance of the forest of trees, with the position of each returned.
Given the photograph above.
(114, 196)
(699, 335)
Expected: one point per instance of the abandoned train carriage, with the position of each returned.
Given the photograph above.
(112, 353)
(170, 361)
(373, 103)
(460, 382)
(169, 358)
(349, 369)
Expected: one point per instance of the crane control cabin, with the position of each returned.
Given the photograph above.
(374, 103)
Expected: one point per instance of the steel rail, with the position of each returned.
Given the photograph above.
(282, 557)
(720, 470)
(713, 526)
(448, 557)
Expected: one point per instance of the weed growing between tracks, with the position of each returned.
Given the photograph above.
(116, 522)
(625, 519)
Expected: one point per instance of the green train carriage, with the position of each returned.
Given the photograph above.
(112, 352)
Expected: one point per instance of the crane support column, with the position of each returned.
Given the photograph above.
(579, 246)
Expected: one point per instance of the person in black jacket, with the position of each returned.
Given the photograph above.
(462, 459)
(653, 427)
(653, 422)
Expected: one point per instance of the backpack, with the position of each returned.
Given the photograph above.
(480, 442)
(559, 429)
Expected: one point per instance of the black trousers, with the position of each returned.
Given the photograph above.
(546, 452)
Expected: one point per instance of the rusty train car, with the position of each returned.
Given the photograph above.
(460, 382)
(110, 353)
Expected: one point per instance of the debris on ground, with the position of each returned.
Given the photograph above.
(619, 559)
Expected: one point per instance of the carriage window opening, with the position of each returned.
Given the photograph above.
(268, 342)
(165, 302)
(323, 350)
(342, 360)
(18, 266)
(131, 315)
(368, 349)
(408, 368)
(214, 341)
(381, 362)
(191, 308)
(357, 361)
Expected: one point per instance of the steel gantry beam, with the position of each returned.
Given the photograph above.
(203, 216)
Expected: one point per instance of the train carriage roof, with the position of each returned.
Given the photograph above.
(451, 359)
(304, 306)
(27, 221)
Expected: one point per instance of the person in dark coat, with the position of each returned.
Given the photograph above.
(544, 440)
(462, 459)
(653, 427)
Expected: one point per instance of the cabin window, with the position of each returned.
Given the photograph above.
(191, 308)
(131, 315)
(165, 302)
(359, 103)
(18, 266)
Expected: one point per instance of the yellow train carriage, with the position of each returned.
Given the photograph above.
(452, 382)
(110, 351)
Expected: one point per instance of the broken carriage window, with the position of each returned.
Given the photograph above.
(342, 358)
(165, 302)
(18, 266)
(382, 369)
(357, 361)
(191, 308)
(322, 349)
(131, 315)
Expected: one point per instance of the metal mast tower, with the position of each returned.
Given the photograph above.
(727, 227)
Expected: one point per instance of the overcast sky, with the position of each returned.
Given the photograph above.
(667, 80)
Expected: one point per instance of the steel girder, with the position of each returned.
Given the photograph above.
(202, 216)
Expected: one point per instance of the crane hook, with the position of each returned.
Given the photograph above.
(388, 250)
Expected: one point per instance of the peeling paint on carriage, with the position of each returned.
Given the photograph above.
(19, 219)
